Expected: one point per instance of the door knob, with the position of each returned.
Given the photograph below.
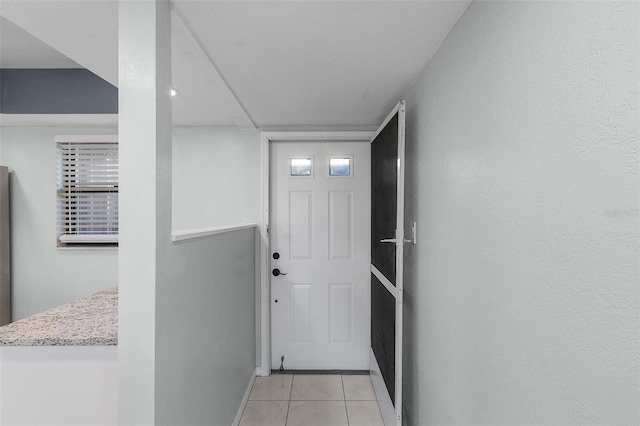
(277, 272)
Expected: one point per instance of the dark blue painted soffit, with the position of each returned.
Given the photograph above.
(55, 91)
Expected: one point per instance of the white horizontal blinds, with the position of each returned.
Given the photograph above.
(87, 192)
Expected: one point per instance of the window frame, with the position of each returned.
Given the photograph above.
(312, 173)
(64, 189)
(341, 157)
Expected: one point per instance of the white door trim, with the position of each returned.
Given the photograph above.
(264, 369)
(400, 259)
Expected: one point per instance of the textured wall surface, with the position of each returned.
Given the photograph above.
(211, 166)
(42, 276)
(206, 344)
(522, 298)
(217, 170)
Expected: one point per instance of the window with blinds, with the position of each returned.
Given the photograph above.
(87, 190)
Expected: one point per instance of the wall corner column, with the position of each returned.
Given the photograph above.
(145, 196)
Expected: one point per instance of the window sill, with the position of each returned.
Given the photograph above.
(87, 247)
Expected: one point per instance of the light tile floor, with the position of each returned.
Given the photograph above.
(312, 400)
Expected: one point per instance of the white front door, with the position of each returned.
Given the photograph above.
(320, 255)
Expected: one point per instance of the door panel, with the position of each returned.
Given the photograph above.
(320, 310)
(299, 315)
(340, 220)
(340, 313)
(300, 222)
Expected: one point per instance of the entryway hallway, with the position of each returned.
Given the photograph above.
(312, 399)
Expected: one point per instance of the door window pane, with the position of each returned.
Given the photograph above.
(340, 167)
(301, 167)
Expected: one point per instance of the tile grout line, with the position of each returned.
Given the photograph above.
(344, 394)
(344, 399)
(293, 376)
(315, 400)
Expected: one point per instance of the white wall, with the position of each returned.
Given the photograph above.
(42, 275)
(144, 125)
(203, 157)
(58, 385)
(522, 295)
(216, 177)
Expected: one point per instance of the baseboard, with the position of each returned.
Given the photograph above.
(243, 404)
(263, 371)
(324, 372)
(382, 394)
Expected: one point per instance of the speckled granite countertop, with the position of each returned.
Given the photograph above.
(92, 321)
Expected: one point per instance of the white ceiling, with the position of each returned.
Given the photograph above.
(269, 64)
(19, 49)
